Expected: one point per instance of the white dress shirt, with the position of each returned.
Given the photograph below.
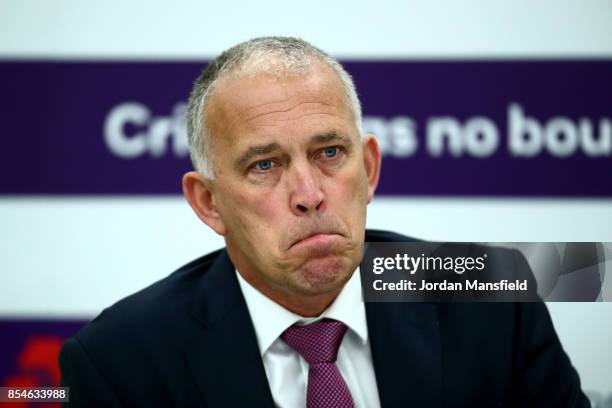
(287, 371)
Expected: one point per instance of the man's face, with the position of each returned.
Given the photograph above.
(291, 185)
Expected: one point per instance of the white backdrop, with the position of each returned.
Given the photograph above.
(72, 256)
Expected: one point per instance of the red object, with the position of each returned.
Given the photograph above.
(37, 366)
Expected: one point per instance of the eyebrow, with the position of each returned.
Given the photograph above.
(261, 150)
(331, 136)
(255, 151)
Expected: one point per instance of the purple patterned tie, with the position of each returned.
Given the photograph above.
(318, 343)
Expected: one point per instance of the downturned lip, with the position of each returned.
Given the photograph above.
(313, 235)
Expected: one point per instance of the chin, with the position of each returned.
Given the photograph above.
(321, 275)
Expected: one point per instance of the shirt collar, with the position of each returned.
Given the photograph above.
(270, 319)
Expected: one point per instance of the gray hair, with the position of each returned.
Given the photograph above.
(264, 54)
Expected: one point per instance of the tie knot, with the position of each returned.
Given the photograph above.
(316, 342)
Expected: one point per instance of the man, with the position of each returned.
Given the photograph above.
(276, 318)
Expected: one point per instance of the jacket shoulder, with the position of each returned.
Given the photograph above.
(152, 310)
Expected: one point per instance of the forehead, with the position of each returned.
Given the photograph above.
(260, 104)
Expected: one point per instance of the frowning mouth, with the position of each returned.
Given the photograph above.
(317, 239)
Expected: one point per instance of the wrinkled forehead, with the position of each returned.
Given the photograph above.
(246, 98)
(309, 76)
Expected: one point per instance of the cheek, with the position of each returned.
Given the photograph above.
(349, 200)
(263, 211)
(352, 189)
(254, 217)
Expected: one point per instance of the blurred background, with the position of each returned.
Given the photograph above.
(495, 120)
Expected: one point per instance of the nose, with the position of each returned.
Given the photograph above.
(306, 195)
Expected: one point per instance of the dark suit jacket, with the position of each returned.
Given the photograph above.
(188, 340)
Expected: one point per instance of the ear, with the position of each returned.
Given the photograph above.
(372, 162)
(199, 193)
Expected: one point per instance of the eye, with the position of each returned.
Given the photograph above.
(330, 152)
(264, 165)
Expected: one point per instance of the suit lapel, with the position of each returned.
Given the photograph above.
(223, 354)
(405, 343)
